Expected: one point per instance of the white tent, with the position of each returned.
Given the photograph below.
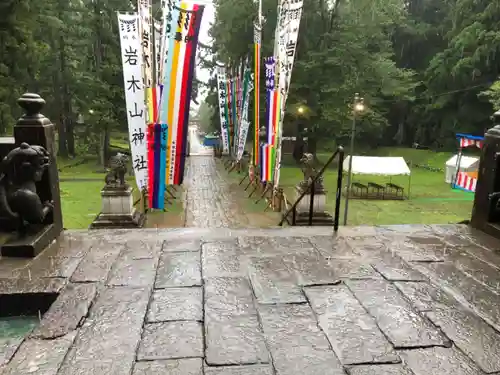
(467, 164)
(377, 165)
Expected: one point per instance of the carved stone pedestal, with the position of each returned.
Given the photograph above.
(118, 209)
(31, 243)
(320, 216)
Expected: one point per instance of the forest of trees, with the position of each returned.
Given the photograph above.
(68, 51)
(426, 68)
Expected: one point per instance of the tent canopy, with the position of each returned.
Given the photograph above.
(377, 165)
(465, 161)
(469, 136)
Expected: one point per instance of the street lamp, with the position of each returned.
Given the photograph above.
(358, 106)
(300, 110)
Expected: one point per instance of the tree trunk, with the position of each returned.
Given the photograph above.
(102, 148)
(98, 52)
(312, 145)
(61, 131)
(299, 145)
(65, 99)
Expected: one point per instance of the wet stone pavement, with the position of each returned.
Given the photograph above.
(211, 202)
(399, 300)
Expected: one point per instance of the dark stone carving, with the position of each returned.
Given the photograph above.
(21, 169)
(40, 196)
(486, 210)
(310, 173)
(116, 176)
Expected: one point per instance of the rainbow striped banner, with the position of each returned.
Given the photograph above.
(256, 106)
(272, 96)
(169, 104)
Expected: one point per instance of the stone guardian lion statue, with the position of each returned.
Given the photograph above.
(20, 170)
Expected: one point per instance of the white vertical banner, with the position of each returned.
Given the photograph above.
(158, 32)
(131, 52)
(167, 10)
(244, 123)
(242, 138)
(289, 24)
(289, 34)
(146, 22)
(222, 94)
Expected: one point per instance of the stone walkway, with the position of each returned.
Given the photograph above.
(212, 203)
(404, 300)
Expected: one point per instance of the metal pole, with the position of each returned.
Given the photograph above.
(339, 191)
(349, 173)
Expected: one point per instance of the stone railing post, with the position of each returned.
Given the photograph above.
(36, 129)
(485, 215)
(32, 204)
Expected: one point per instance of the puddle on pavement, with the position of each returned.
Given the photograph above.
(20, 313)
(17, 326)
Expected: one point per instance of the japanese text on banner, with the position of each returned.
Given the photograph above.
(222, 94)
(134, 93)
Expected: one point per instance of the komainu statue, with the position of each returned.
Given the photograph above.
(20, 170)
(308, 170)
(118, 165)
(310, 173)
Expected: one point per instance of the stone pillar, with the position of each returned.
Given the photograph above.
(118, 209)
(485, 214)
(320, 216)
(34, 128)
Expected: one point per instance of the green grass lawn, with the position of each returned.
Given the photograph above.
(432, 201)
(81, 199)
(81, 202)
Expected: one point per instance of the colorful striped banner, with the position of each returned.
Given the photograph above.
(188, 76)
(169, 104)
(271, 108)
(256, 105)
(150, 105)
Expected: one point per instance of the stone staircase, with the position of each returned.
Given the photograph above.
(369, 300)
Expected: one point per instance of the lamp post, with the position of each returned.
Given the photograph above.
(358, 106)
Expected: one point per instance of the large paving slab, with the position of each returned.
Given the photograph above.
(481, 299)
(232, 330)
(107, 342)
(97, 263)
(438, 360)
(353, 333)
(176, 304)
(67, 312)
(186, 366)
(274, 282)
(133, 272)
(40, 357)
(297, 345)
(178, 269)
(223, 258)
(8, 347)
(469, 332)
(171, 340)
(395, 300)
(399, 321)
(239, 370)
(386, 369)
